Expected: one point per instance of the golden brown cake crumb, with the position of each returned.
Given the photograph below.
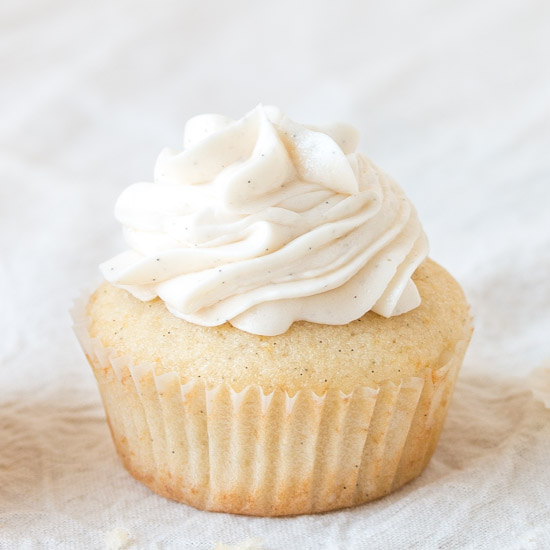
(363, 353)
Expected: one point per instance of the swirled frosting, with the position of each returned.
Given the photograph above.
(262, 222)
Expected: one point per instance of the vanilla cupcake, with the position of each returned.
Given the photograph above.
(274, 341)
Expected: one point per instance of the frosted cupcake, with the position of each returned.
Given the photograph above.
(274, 341)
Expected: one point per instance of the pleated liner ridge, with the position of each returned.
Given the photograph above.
(250, 453)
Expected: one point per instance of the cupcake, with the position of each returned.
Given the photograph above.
(275, 340)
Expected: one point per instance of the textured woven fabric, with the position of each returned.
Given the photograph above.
(451, 98)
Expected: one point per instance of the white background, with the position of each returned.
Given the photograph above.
(451, 98)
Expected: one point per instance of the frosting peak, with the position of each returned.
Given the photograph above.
(262, 222)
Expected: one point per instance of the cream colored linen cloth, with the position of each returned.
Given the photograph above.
(451, 98)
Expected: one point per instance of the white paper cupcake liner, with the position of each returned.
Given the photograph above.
(269, 454)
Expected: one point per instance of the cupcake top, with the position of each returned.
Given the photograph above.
(366, 352)
(262, 222)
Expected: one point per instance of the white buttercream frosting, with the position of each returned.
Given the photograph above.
(262, 222)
